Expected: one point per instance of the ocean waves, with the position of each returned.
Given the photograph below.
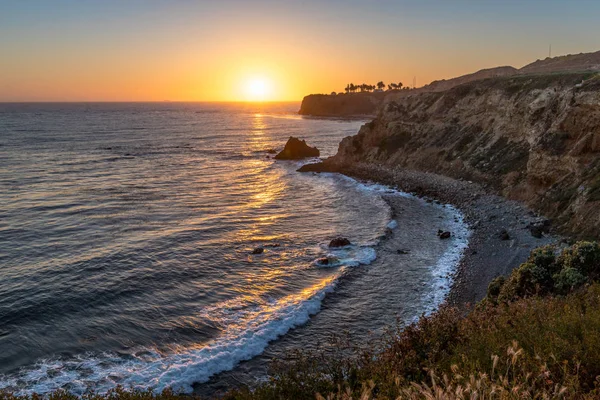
(127, 243)
(246, 335)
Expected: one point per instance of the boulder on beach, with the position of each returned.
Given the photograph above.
(444, 234)
(339, 242)
(536, 231)
(539, 227)
(296, 149)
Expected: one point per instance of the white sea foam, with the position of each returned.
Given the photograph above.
(443, 271)
(181, 369)
(350, 256)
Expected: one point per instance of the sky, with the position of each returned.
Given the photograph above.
(246, 50)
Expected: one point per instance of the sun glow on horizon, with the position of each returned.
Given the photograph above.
(258, 89)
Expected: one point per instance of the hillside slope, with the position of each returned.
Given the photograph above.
(572, 62)
(446, 84)
(531, 138)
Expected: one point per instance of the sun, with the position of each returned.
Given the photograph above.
(258, 89)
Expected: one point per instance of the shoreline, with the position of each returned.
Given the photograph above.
(487, 254)
(485, 257)
(402, 302)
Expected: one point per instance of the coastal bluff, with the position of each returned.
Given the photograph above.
(342, 104)
(366, 104)
(530, 138)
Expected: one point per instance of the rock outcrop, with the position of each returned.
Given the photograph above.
(339, 242)
(532, 138)
(342, 104)
(296, 149)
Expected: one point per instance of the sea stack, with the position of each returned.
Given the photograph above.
(296, 149)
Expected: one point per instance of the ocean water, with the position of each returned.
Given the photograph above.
(126, 238)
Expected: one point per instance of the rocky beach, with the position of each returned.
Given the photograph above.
(503, 232)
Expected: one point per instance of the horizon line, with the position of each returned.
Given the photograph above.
(148, 101)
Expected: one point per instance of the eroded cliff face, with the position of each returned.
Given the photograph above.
(531, 138)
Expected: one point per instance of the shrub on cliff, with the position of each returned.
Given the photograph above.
(584, 257)
(495, 287)
(546, 273)
(527, 280)
(567, 280)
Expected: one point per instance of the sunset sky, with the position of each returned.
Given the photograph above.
(227, 50)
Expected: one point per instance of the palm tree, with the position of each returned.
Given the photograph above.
(380, 85)
(347, 89)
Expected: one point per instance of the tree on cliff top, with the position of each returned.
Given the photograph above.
(351, 87)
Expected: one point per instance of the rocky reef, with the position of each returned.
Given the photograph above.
(531, 138)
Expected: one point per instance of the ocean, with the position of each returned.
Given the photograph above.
(126, 240)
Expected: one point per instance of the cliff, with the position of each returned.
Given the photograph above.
(535, 139)
(342, 104)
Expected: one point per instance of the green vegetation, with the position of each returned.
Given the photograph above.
(549, 272)
(535, 336)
